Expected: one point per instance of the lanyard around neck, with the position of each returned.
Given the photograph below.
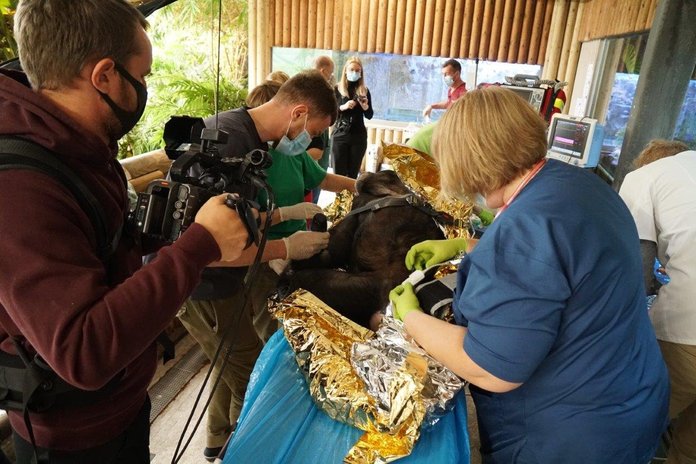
(530, 175)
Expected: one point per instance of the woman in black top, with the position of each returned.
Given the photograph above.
(349, 136)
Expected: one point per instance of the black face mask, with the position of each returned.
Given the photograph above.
(128, 119)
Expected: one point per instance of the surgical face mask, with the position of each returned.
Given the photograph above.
(296, 146)
(128, 119)
(449, 80)
(353, 76)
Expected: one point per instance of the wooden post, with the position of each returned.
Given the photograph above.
(523, 50)
(558, 22)
(508, 18)
(391, 26)
(447, 21)
(476, 29)
(364, 27)
(466, 29)
(302, 32)
(312, 24)
(457, 22)
(346, 25)
(492, 53)
(409, 19)
(381, 26)
(328, 24)
(568, 28)
(287, 20)
(278, 23)
(253, 43)
(337, 25)
(546, 36)
(517, 22)
(486, 24)
(295, 24)
(400, 29)
(372, 26)
(321, 12)
(537, 30)
(573, 56)
(418, 28)
(355, 18)
(441, 27)
(428, 25)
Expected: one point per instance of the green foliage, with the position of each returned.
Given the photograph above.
(184, 38)
(175, 94)
(8, 46)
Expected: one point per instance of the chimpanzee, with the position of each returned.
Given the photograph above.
(365, 256)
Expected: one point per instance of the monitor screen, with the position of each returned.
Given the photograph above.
(569, 137)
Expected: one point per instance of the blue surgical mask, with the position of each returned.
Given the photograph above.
(449, 80)
(296, 146)
(353, 76)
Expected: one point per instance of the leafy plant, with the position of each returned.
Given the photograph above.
(8, 46)
(184, 38)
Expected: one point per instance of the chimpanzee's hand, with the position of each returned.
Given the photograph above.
(225, 225)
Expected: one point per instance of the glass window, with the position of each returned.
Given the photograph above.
(402, 85)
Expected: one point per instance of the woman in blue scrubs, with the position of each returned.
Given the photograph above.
(552, 328)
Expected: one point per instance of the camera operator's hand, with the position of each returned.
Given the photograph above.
(224, 224)
(303, 211)
(303, 244)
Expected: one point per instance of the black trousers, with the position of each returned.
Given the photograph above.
(348, 151)
(131, 447)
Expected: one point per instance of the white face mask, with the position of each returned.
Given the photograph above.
(449, 80)
(296, 146)
(353, 76)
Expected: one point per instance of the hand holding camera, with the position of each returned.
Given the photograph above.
(225, 225)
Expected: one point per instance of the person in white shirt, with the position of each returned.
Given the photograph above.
(661, 195)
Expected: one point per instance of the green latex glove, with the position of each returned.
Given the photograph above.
(486, 217)
(404, 301)
(430, 252)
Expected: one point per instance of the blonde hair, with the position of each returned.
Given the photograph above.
(486, 140)
(280, 77)
(343, 83)
(262, 93)
(56, 38)
(657, 149)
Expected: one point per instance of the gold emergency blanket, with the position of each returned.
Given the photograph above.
(378, 382)
(420, 174)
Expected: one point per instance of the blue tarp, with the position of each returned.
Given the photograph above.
(280, 423)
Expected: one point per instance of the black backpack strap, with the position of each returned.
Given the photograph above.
(21, 154)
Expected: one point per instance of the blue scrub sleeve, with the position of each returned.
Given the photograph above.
(514, 305)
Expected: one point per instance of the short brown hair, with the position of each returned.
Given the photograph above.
(57, 37)
(657, 149)
(262, 93)
(485, 140)
(310, 88)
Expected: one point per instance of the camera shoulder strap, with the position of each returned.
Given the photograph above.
(17, 153)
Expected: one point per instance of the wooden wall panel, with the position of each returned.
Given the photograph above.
(547, 32)
(606, 18)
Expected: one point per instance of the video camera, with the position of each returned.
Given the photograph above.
(168, 207)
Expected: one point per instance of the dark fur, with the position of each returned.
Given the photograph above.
(365, 257)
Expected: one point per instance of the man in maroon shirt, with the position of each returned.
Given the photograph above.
(451, 73)
(93, 322)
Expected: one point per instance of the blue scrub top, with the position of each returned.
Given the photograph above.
(553, 298)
